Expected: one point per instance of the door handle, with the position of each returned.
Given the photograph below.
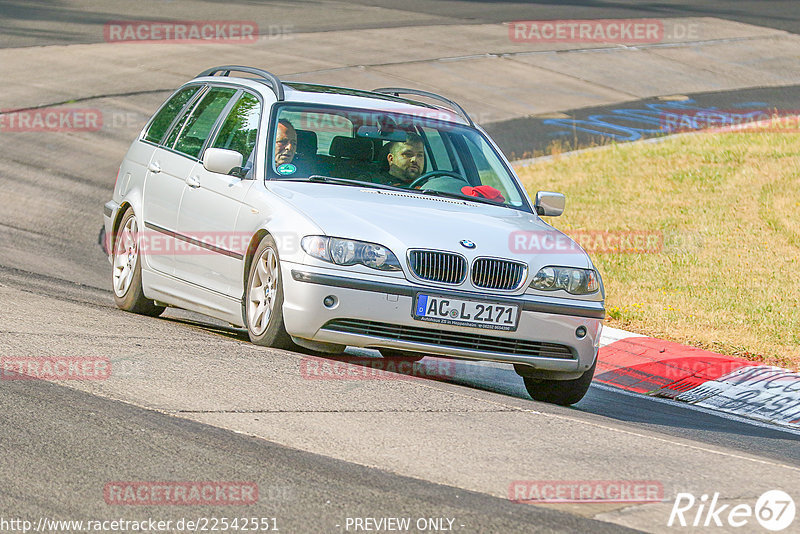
(154, 167)
(193, 181)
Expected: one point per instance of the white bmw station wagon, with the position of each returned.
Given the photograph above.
(326, 217)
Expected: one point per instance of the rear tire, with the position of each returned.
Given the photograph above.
(126, 269)
(263, 299)
(401, 355)
(563, 392)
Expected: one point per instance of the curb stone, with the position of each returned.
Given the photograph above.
(660, 368)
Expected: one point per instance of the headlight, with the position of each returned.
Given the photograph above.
(571, 280)
(350, 252)
(343, 251)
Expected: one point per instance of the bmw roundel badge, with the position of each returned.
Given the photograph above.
(466, 243)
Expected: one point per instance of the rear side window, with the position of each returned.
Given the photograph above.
(192, 134)
(168, 112)
(240, 129)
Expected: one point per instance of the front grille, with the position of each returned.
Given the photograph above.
(434, 266)
(490, 273)
(459, 340)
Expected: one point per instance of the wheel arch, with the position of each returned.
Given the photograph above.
(260, 234)
(123, 207)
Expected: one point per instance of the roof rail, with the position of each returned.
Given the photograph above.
(273, 81)
(397, 91)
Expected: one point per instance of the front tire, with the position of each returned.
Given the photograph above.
(563, 392)
(263, 302)
(126, 271)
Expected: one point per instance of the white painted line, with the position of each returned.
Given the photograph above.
(610, 335)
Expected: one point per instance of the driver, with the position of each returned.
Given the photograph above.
(406, 161)
(285, 142)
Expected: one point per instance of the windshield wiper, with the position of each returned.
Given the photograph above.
(321, 178)
(437, 193)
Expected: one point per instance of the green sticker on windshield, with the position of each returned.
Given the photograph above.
(286, 168)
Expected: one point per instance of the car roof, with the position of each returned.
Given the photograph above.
(311, 93)
(343, 96)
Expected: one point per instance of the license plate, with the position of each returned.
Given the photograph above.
(474, 313)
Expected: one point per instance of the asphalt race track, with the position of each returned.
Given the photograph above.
(76, 21)
(191, 400)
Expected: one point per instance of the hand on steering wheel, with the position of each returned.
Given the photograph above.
(430, 174)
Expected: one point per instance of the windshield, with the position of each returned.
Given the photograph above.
(413, 152)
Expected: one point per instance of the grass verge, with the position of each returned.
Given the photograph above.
(726, 276)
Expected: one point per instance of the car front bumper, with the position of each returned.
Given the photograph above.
(377, 313)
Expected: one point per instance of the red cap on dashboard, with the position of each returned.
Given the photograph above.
(485, 191)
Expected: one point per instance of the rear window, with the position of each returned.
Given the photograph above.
(240, 129)
(197, 126)
(168, 112)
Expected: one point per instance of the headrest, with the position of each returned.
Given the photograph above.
(351, 148)
(306, 142)
(383, 154)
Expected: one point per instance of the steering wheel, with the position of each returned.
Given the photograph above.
(430, 174)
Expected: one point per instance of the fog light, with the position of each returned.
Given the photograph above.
(580, 332)
(329, 301)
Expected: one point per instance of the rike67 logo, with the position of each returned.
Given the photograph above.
(774, 510)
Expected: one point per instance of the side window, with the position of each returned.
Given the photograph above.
(437, 151)
(167, 113)
(325, 126)
(192, 134)
(489, 168)
(240, 129)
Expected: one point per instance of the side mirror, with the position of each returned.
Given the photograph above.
(550, 204)
(221, 161)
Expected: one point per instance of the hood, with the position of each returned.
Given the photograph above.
(403, 221)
